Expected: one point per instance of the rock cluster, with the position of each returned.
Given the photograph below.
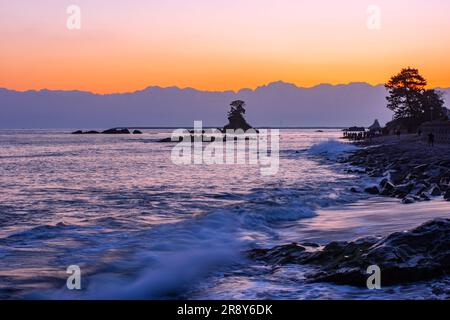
(85, 132)
(409, 170)
(109, 131)
(403, 257)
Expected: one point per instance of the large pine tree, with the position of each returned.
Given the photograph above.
(409, 99)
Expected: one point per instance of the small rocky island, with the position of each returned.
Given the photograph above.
(236, 121)
(236, 118)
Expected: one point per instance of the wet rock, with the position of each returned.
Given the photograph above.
(435, 191)
(408, 200)
(387, 189)
(418, 189)
(409, 166)
(424, 196)
(376, 173)
(116, 131)
(291, 253)
(442, 289)
(403, 190)
(310, 244)
(396, 177)
(372, 190)
(447, 195)
(354, 190)
(403, 257)
(167, 140)
(86, 132)
(444, 163)
(420, 168)
(137, 132)
(383, 182)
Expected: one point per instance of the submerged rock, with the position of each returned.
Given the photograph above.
(408, 200)
(372, 190)
(166, 140)
(85, 132)
(354, 190)
(116, 131)
(137, 132)
(419, 254)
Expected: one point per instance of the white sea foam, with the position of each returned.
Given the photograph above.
(331, 147)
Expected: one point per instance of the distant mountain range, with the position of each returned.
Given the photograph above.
(277, 104)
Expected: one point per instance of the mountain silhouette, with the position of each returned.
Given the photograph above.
(277, 104)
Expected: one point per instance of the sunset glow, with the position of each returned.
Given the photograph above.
(218, 45)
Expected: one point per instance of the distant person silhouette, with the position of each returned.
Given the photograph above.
(431, 139)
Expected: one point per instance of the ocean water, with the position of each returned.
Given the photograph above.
(141, 227)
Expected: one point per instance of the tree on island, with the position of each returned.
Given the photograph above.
(411, 102)
(236, 118)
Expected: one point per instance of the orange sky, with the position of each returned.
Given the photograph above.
(217, 44)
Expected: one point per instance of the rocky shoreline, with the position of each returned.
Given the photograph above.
(403, 257)
(409, 170)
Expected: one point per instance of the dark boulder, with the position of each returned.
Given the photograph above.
(397, 176)
(116, 131)
(137, 132)
(387, 188)
(291, 253)
(447, 195)
(86, 132)
(408, 200)
(165, 140)
(372, 190)
(435, 191)
(354, 190)
(403, 190)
